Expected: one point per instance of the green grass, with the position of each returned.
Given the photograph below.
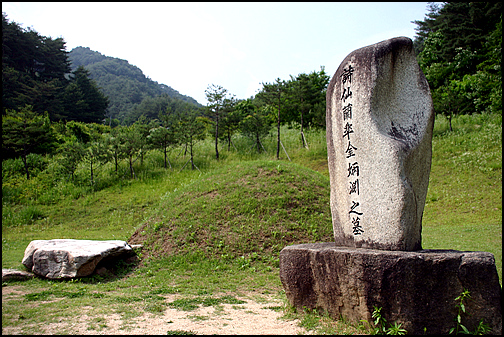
(213, 235)
(464, 201)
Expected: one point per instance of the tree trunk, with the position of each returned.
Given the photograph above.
(131, 165)
(165, 157)
(191, 149)
(229, 140)
(116, 163)
(92, 175)
(25, 162)
(303, 139)
(278, 133)
(216, 139)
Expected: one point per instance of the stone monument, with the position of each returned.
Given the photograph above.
(379, 133)
(379, 122)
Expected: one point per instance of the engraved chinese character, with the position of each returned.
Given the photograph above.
(357, 228)
(353, 169)
(354, 187)
(350, 150)
(348, 130)
(353, 207)
(347, 112)
(346, 93)
(347, 74)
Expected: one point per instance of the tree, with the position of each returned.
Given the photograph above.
(306, 100)
(115, 145)
(461, 56)
(230, 121)
(255, 122)
(216, 111)
(83, 100)
(425, 27)
(95, 153)
(190, 129)
(33, 69)
(132, 142)
(161, 138)
(25, 132)
(274, 94)
(72, 152)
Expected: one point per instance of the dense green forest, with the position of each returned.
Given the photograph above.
(459, 46)
(85, 107)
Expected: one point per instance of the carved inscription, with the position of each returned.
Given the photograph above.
(351, 151)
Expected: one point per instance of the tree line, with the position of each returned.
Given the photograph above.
(48, 109)
(165, 122)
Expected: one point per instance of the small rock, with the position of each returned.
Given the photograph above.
(13, 274)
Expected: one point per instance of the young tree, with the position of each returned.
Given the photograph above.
(95, 153)
(72, 152)
(306, 100)
(190, 129)
(274, 94)
(230, 122)
(143, 126)
(216, 111)
(255, 122)
(25, 132)
(164, 136)
(115, 145)
(131, 139)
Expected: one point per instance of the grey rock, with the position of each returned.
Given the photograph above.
(67, 258)
(417, 289)
(379, 142)
(13, 274)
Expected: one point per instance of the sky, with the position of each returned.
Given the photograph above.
(189, 45)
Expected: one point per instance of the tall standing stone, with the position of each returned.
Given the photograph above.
(379, 132)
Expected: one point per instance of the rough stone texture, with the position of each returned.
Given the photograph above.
(67, 258)
(383, 140)
(13, 274)
(417, 289)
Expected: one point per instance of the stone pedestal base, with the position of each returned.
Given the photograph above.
(417, 289)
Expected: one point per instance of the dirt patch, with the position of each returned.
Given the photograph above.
(12, 290)
(257, 316)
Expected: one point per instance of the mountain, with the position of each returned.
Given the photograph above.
(124, 84)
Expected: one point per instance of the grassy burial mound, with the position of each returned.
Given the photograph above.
(242, 209)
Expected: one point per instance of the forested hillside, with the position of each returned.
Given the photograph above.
(124, 84)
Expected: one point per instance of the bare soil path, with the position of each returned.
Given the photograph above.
(257, 316)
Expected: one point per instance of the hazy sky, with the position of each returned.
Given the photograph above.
(189, 45)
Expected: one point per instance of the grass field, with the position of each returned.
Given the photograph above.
(217, 231)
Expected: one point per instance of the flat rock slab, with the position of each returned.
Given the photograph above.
(13, 274)
(67, 258)
(417, 289)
